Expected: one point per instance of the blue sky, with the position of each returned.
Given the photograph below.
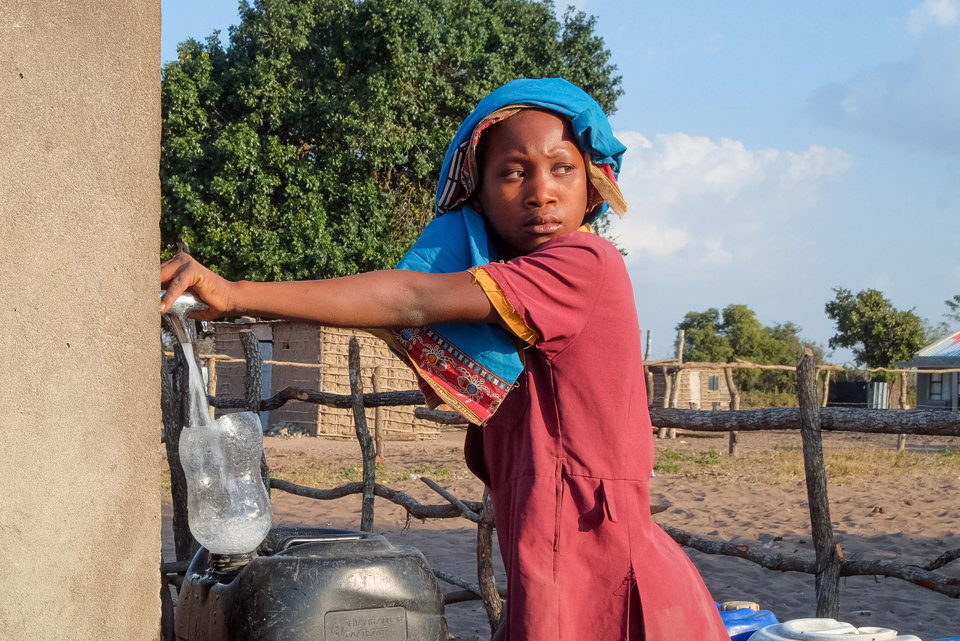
(775, 150)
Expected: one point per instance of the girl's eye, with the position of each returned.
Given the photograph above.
(565, 169)
(516, 173)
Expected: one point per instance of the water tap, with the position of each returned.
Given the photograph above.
(177, 317)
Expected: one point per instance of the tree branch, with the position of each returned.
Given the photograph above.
(414, 508)
(836, 419)
(922, 576)
(465, 512)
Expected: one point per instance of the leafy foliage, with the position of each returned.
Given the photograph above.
(953, 304)
(722, 337)
(877, 332)
(310, 147)
(760, 399)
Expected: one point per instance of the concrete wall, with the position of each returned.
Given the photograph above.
(79, 349)
(947, 400)
(297, 343)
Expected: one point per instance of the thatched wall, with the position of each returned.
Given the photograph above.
(326, 348)
(693, 388)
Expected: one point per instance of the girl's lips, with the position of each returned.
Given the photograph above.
(545, 228)
(541, 226)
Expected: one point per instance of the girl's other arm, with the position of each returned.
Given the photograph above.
(393, 298)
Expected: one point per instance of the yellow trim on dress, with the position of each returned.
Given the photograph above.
(511, 319)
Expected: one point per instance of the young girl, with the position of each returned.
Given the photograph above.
(514, 313)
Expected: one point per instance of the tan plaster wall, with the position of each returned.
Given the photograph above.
(79, 355)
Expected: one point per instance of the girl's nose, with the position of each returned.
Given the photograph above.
(541, 189)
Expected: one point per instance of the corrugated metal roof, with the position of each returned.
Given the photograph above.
(948, 347)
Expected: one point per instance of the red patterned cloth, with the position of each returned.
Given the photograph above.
(447, 374)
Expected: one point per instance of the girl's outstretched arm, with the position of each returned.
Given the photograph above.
(393, 298)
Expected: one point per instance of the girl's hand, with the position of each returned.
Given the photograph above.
(184, 274)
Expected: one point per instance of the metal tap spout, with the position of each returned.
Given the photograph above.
(177, 317)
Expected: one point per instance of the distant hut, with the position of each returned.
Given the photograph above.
(698, 387)
(317, 358)
(938, 390)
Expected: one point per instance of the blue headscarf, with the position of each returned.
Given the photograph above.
(587, 119)
(479, 357)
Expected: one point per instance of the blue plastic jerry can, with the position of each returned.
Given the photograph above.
(743, 622)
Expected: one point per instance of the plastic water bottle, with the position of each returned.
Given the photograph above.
(228, 507)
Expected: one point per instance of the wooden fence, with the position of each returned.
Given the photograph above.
(827, 566)
(671, 369)
(174, 403)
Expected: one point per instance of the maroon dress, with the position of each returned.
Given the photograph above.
(569, 456)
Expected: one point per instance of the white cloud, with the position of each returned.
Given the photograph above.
(697, 204)
(653, 239)
(941, 13)
(915, 101)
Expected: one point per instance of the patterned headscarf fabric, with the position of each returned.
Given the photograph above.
(471, 366)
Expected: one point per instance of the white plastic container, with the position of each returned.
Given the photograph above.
(826, 630)
(228, 507)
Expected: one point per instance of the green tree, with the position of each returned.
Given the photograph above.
(736, 333)
(311, 145)
(785, 347)
(878, 334)
(953, 304)
(748, 337)
(704, 339)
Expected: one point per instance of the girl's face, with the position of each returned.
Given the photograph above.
(533, 181)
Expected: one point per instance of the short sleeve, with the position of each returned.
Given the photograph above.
(553, 290)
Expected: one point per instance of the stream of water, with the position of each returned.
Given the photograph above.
(228, 506)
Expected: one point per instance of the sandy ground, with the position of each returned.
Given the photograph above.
(912, 520)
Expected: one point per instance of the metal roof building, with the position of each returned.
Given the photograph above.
(943, 353)
(939, 390)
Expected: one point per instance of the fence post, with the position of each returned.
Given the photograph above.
(826, 388)
(648, 373)
(828, 554)
(734, 405)
(672, 432)
(667, 391)
(253, 387)
(253, 371)
(363, 435)
(378, 416)
(672, 403)
(902, 401)
(175, 411)
(212, 383)
(485, 577)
